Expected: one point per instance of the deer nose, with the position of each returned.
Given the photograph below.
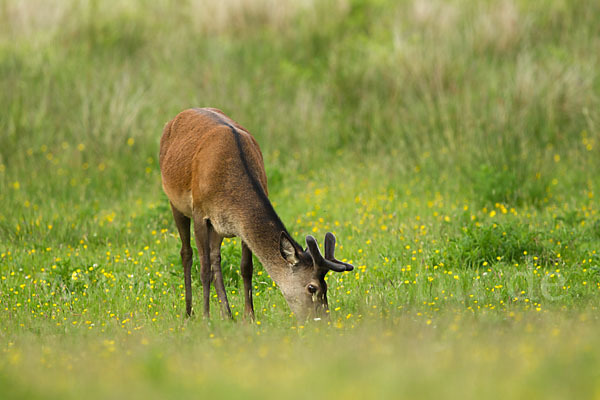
(321, 313)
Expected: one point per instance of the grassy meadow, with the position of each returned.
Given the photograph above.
(451, 146)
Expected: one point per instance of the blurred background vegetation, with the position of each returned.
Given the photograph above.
(489, 100)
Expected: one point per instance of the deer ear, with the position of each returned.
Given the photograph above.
(288, 251)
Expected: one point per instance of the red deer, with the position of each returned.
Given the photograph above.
(213, 173)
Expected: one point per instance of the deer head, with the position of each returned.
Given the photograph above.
(305, 288)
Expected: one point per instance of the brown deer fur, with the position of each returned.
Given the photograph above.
(213, 174)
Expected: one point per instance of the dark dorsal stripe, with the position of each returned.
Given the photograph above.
(256, 186)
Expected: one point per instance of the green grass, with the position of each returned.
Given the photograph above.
(452, 148)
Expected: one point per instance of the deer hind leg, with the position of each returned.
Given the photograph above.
(215, 259)
(187, 254)
(201, 233)
(247, 268)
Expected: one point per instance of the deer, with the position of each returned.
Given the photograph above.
(213, 174)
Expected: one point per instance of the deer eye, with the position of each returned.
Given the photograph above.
(312, 289)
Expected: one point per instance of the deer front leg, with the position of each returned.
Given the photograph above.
(247, 268)
(215, 258)
(187, 254)
(201, 227)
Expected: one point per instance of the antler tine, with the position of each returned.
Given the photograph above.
(329, 246)
(329, 261)
(329, 251)
(313, 247)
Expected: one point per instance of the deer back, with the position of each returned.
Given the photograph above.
(209, 163)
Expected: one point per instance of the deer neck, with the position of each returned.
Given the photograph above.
(261, 231)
